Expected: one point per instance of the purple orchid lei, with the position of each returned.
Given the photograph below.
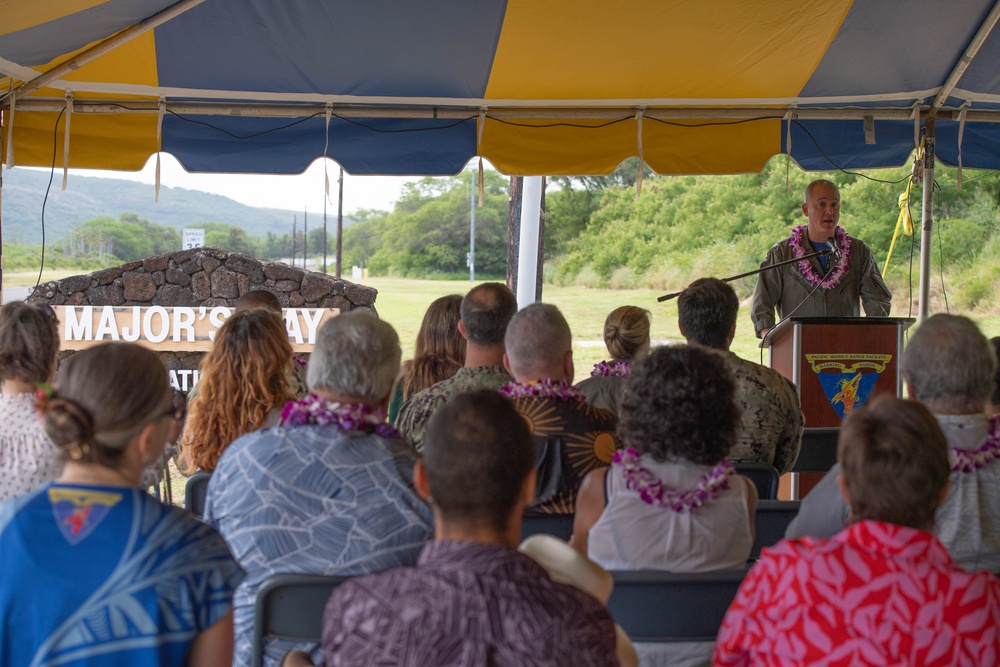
(963, 460)
(544, 388)
(616, 369)
(798, 245)
(651, 489)
(315, 411)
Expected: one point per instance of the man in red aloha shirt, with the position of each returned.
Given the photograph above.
(884, 591)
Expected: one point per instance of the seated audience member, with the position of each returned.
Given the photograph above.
(949, 367)
(473, 598)
(671, 500)
(883, 591)
(485, 312)
(770, 429)
(571, 436)
(95, 571)
(29, 343)
(243, 386)
(331, 490)
(626, 334)
(261, 298)
(438, 354)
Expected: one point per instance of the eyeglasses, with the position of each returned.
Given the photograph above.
(178, 406)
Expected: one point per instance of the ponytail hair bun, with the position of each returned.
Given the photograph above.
(68, 425)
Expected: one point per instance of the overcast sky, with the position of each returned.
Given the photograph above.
(296, 193)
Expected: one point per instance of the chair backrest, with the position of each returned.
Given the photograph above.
(290, 606)
(770, 523)
(819, 450)
(560, 525)
(670, 607)
(763, 475)
(195, 493)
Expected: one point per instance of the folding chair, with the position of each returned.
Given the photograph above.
(290, 606)
(195, 493)
(771, 521)
(670, 607)
(763, 475)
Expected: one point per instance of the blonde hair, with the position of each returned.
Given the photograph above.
(440, 349)
(625, 331)
(244, 377)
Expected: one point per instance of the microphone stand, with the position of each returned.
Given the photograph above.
(824, 251)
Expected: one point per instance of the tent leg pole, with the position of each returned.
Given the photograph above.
(927, 223)
(527, 260)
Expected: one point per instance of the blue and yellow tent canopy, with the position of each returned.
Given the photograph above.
(553, 87)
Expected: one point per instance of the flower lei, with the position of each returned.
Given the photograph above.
(545, 388)
(651, 489)
(798, 245)
(313, 410)
(615, 369)
(963, 460)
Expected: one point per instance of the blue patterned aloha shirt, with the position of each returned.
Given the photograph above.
(107, 576)
(314, 500)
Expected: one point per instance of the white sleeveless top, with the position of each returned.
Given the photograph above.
(634, 535)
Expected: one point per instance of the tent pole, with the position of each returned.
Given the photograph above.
(109, 44)
(927, 222)
(527, 261)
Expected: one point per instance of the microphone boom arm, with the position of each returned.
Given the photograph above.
(824, 251)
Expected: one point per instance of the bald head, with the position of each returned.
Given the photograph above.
(539, 344)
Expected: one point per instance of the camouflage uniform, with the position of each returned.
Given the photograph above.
(771, 426)
(418, 409)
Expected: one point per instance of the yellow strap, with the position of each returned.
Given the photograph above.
(904, 220)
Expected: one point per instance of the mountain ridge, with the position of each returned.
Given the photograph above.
(89, 197)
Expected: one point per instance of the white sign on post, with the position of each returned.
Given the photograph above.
(193, 238)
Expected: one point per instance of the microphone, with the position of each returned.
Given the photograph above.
(834, 248)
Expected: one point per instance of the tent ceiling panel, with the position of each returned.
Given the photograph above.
(536, 87)
(53, 29)
(913, 44)
(343, 46)
(653, 49)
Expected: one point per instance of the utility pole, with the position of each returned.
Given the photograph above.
(472, 225)
(340, 220)
(295, 222)
(326, 244)
(305, 236)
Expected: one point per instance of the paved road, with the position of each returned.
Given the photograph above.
(16, 294)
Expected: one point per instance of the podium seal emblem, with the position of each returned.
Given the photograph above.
(848, 379)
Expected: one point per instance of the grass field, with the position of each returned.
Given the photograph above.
(28, 278)
(403, 303)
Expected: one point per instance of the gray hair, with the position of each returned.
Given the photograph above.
(356, 354)
(949, 365)
(537, 337)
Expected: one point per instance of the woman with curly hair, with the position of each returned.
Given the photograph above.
(671, 500)
(243, 387)
(626, 335)
(439, 353)
(29, 343)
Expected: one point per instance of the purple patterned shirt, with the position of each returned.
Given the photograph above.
(466, 604)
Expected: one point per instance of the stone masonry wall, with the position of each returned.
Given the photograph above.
(202, 277)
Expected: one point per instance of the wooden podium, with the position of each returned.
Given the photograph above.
(837, 364)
